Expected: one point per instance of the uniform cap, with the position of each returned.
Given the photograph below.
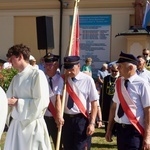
(70, 61)
(49, 57)
(123, 57)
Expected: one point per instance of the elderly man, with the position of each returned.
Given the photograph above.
(80, 106)
(146, 55)
(107, 92)
(56, 86)
(141, 70)
(103, 72)
(130, 108)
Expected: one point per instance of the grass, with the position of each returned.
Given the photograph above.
(2, 141)
(98, 141)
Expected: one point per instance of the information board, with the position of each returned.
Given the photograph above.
(94, 39)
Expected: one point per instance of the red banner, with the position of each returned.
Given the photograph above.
(76, 35)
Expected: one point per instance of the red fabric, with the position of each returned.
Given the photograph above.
(127, 110)
(51, 108)
(76, 100)
(76, 35)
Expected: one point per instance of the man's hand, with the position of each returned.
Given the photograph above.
(146, 139)
(99, 124)
(108, 136)
(90, 129)
(146, 146)
(60, 122)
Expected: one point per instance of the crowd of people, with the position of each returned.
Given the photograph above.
(42, 102)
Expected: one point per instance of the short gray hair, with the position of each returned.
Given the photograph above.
(133, 65)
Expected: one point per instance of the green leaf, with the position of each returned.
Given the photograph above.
(6, 75)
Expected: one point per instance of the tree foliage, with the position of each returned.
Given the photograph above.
(6, 75)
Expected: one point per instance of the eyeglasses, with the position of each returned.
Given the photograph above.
(49, 64)
(114, 71)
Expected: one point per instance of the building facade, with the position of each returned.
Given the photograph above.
(18, 23)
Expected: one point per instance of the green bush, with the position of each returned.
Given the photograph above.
(6, 76)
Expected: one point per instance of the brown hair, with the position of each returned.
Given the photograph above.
(88, 60)
(19, 49)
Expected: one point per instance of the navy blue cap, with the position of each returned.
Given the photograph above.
(49, 57)
(70, 61)
(123, 57)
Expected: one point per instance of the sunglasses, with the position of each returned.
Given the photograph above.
(145, 54)
(114, 71)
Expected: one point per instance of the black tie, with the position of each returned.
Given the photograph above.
(70, 100)
(120, 110)
(50, 82)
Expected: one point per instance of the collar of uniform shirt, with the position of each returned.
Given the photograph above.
(79, 76)
(139, 71)
(132, 78)
(53, 78)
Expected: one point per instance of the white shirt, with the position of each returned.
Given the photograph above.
(87, 87)
(58, 84)
(139, 91)
(145, 74)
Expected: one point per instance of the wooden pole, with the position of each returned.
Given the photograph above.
(64, 90)
(73, 27)
(62, 111)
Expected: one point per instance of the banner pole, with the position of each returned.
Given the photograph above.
(64, 90)
(73, 27)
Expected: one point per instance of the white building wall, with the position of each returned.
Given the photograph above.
(6, 34)
(120, 23)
